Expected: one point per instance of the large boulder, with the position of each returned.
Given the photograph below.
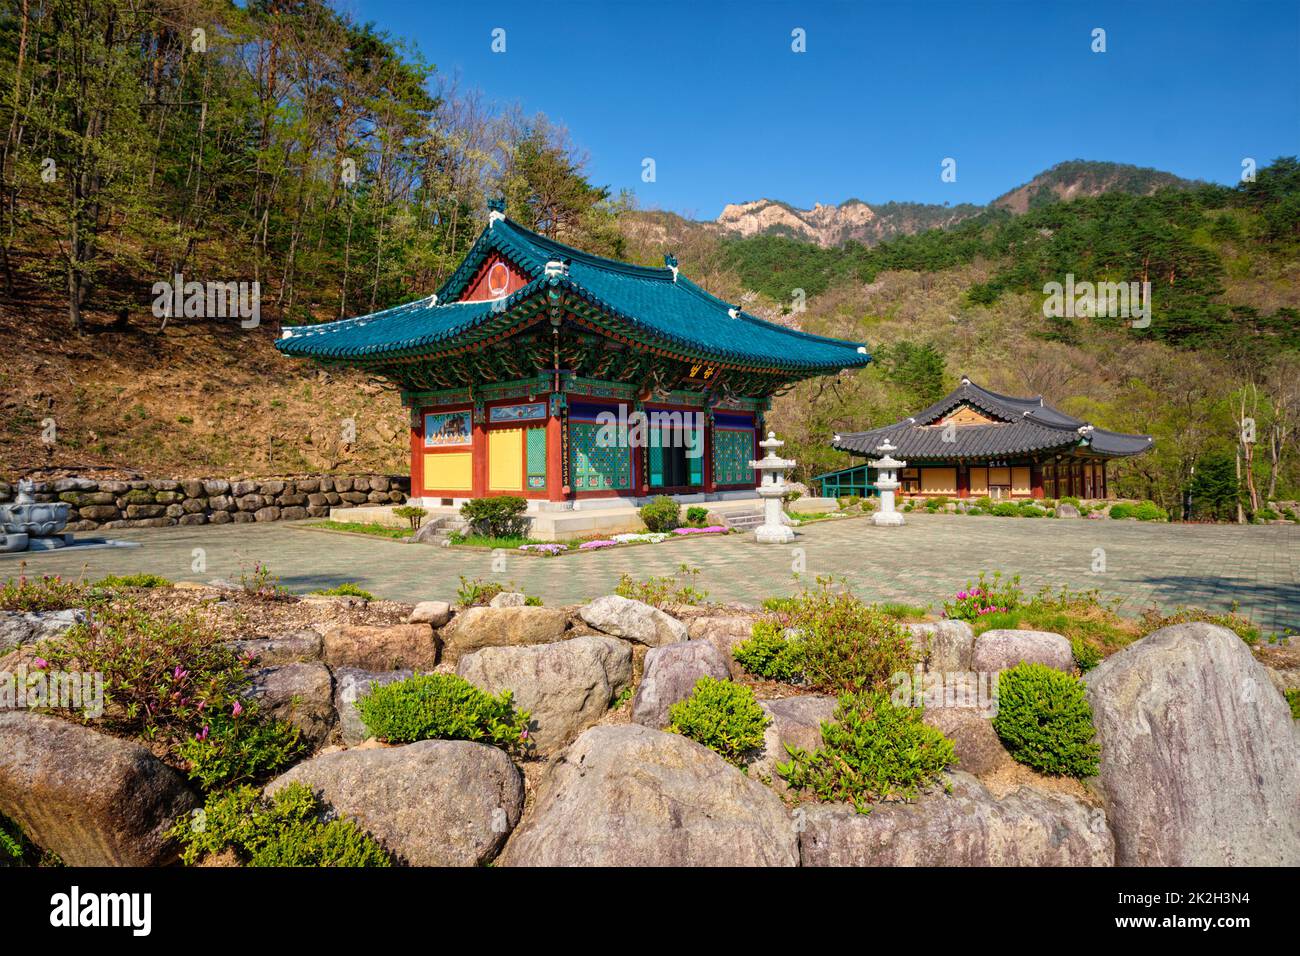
(509, 599)
(793, 722)
(965, 827)
(633, 621)
(1198, 758)
(566, 686)
(300, 694)
(303, 645)
(431, 803)
(380, 648)
(93, 799)
(18, 628)
(351, 683)
(978, 747)
(433, 613)
(669, 676)
(944, 646)
(724, 633)
(478, 627)
(630, 796)
(1000, 649)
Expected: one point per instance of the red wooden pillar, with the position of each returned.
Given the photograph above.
(417, 453)
(479, 462)
(555, 490)
(1105, 492)
(707, 464)
(1035, 480)
(963, 481)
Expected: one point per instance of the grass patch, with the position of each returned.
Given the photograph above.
(362, 527)
(346, 589)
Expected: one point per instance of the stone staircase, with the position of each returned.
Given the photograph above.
(438, 528)
(743, 520)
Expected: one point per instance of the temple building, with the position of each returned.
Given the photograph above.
(974, 443)
(542, 371)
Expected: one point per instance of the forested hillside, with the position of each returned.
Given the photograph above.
(280, 143)
(291, 145)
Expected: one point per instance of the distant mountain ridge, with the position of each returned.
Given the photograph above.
(854, 220)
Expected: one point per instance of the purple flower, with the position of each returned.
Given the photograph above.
(41, 663)
(236, 710)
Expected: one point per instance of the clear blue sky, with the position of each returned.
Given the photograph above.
(712, 91)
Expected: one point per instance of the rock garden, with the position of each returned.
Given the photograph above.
(239, 725)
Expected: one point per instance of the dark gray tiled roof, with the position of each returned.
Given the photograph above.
(1022, 425)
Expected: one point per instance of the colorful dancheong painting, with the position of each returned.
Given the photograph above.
(447, 429)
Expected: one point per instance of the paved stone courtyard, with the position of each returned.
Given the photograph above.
(921, 563)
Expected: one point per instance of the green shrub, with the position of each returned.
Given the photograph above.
(46, 593)
(677, 588)
(871, 750)
(938, 503)
(346, 589)
(1045, 721)
(115, 582)
(1149, 511)
(1028, 510)
(283, 831)
(501, 516)
(845, 645)
(975, 510)
(768, 653)
(477, 592)
(661, 513)
(1293, 701)
(443, 707)
(722, 716)
(242, 749)
(984, 503)
(1086, 656)
(413, 514)
(1071, 500)
(696, 516)
(1005, 509)
(161, 676)
(1121, 510)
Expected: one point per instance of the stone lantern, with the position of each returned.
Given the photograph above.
(772, 489)
(887, 481)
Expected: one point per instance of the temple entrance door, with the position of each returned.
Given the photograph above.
(672, 464)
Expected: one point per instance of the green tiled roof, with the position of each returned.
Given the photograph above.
(651, 304)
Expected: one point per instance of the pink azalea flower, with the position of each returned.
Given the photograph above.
(202, 735)
(236, 710)
(41, 663)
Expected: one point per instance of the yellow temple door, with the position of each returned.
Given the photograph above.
(506, 459)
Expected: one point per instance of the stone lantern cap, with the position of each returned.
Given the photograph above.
(886, 460)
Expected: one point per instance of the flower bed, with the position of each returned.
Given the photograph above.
(555, 548)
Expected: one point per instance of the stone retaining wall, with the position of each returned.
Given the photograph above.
(163, 502)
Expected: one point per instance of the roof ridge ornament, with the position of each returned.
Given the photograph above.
(496, 210)
(734, 311)
(557, 267)
(670, 260)
(965, 380)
